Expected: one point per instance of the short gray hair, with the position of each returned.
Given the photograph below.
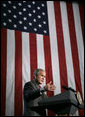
(36, 72)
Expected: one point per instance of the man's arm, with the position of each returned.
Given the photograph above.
(31, 93)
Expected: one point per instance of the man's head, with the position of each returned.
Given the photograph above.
(40, 75)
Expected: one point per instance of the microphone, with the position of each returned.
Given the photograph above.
(68, 88)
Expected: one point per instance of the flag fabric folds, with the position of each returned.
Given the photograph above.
(40, 34)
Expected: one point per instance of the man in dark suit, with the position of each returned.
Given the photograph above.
(33, 93)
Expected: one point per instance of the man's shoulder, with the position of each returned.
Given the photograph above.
(29, 83)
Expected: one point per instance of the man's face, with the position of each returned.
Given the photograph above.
(41, 77)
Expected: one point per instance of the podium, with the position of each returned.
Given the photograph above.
(63, 103)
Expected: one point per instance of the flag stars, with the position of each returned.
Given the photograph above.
(4, 5)
(10, 20)
(34, 20)
(4, 24)
(9, 2)
(29, 6)
(14, 16)
(30, 23)
(43, 13)
(40, 25)
(42, 5)
(25, 28)
(25, 18)
(24, 1)
(20, 22)
(14, 7)
(4, 14)
(30, 14)
(20, 13)
(44, 22)
(15, 26)
(24, 9)
(34, 11)
(35, 29)
(19, 4)
(39, 16)
(9, 11)
(45, 31)
(33, 2)
(38, 8)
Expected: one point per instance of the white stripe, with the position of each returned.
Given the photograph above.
(10, 73)
(40, 52)
(40, 56)
(69, 63)
(54, 48)
(79, 42)
(25, 59)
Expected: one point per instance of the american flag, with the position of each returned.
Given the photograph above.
(40, 34)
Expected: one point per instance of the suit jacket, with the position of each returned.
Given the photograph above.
(32, 96)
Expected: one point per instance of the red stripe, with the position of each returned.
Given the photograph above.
(74, 48)
(61, 49)
(81, 9)
(48, 66)
(18, 74)
(3, 69)
(33, 53)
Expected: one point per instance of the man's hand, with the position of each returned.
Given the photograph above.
(50, 86)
